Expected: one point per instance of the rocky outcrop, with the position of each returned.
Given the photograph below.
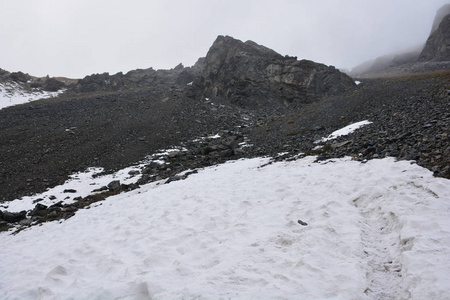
(27, 83)
(136, 79)
(246, 74)
(20, 77)
(53, 85)
(437, 47)
(440, 15)
(432, 56)
(252, 75)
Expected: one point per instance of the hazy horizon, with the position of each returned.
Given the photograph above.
(78, 38)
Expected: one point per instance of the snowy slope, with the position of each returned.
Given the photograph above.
(12, 93)
(378, 230)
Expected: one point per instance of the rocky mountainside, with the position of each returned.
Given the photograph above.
(433, 55)
(440, 15)
(252, 75)
(246, 74)
(437, 47)
(258, 101)
(135, 79)
(31, 83)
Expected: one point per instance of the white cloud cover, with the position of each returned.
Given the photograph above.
(77, 38)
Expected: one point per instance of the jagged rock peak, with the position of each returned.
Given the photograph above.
(252, 75)
(440, 15)
(437, 47)
(248, 46)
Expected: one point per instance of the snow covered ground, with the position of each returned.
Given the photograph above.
(375, 230)
(12, 93)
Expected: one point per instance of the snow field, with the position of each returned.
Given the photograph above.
(378, 230)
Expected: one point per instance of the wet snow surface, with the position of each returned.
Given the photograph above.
(379, 230)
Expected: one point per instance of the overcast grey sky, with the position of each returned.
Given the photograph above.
(74, 38)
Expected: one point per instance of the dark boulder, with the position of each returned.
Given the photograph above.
(13, 217)
(39, 210)
(114, 185)
(53, 85)
(20, 77)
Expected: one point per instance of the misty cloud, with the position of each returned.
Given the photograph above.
(77, 38)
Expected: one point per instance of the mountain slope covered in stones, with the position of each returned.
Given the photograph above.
(244, 91)
(150, 184)
(99, 120)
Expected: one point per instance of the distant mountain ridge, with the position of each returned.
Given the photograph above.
(436, 52)
(246, 74)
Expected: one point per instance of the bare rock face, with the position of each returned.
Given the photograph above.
(20, 77)
(434, 55)
(437, 47)
(252, 75)
(53, 85)
(440, 15)
(136, 79)
(245, 74)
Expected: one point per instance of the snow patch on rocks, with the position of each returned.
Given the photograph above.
(11, 93)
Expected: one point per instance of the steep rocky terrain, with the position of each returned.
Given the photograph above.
(113, 121)
(437, 47)
(247, 93)
(243, 73)
(251, 75)
(31, 83)
(135, 80)
(430, 56)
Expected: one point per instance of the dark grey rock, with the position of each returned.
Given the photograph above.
(13, 217)
(114, 185)
(437, 47)
(174, 178)
(39, 210)
(53, 85)
(251, 75)
(134, 173)
(101, 189)
(20, 77)
(302, 223)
